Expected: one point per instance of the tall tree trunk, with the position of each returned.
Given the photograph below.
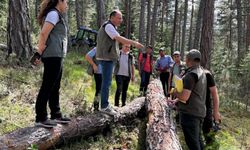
(162, 19)
(248, 30)
(148, 34)
(207, 34)
(178, 47)
(142, 22)
(37, 3)
(128, 18)
(191, 27)
(79, 15)
(174, 27)
(240, 31)
(184, 29)
(230, 44)
(198, 24)
(100, 7)
(154, 22)
(18, 28)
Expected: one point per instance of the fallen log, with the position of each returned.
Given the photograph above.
(161, 133)
(78, 127)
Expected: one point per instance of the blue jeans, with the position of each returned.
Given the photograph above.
(107, 69)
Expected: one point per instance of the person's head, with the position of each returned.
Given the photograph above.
(149, 49)
(177, 56)
(193, 58)
(161, 53)
(47, 5)
(126, 47)
(116, 17)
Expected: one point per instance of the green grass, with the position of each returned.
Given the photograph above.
(19, 87)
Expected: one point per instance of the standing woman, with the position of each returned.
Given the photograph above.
(52, 48)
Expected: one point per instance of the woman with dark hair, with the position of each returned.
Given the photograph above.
(52, 47)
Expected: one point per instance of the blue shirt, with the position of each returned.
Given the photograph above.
(162, 62)
(92, 54)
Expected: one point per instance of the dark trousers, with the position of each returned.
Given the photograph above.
(145, 76)
(164, 80)
(49, 91)
(98, 84)
(191, 127)
(122, 83)
(208, 124)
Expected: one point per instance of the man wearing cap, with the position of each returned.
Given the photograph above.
(145, 64)
(192, 99)
(163, 64)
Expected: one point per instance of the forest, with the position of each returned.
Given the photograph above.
(219, 29)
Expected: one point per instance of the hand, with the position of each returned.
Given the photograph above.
(95, 68)
(35, 59)
(138, 45)
(133, 78)
(217, 116)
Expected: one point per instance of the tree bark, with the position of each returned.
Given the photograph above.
(79, 14)
(148, 34)
(18, 28)
(240, 31)
(161, 133)
(80, 127)
(197, 34)
(174, 27)
(183, 37)
(100, 12)
(128, 18)
(142, 22)
(207, 34)
(248, 30)
(191, 27)
(154, 22)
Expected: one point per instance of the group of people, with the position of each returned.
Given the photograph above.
(194, 102)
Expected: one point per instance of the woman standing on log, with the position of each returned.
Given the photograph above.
(52, 48)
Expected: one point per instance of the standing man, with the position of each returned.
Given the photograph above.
(145, 64)
(124, 71)
(107, 53)
(212, 113)
(163, 66)
(192, 106)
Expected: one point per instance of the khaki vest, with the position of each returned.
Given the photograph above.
(196, 103)
(106, 47)
(57, 40)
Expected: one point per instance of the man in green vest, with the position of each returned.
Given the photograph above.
(191, 104)
(107, 53)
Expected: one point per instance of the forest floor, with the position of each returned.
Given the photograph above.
(19, 86)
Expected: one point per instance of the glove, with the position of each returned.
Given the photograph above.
(34, 58)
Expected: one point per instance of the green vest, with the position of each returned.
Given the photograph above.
(106, 47)
(57, 40)
(196, 103)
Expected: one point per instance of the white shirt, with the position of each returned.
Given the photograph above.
(52, 17)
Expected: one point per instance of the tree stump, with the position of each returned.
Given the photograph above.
(161, 133)
(83, 126)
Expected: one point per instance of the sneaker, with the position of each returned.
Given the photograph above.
(46, 124)
(62, 120)
(108, 110)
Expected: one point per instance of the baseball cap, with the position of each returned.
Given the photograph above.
(194, 54)
(176, 53)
